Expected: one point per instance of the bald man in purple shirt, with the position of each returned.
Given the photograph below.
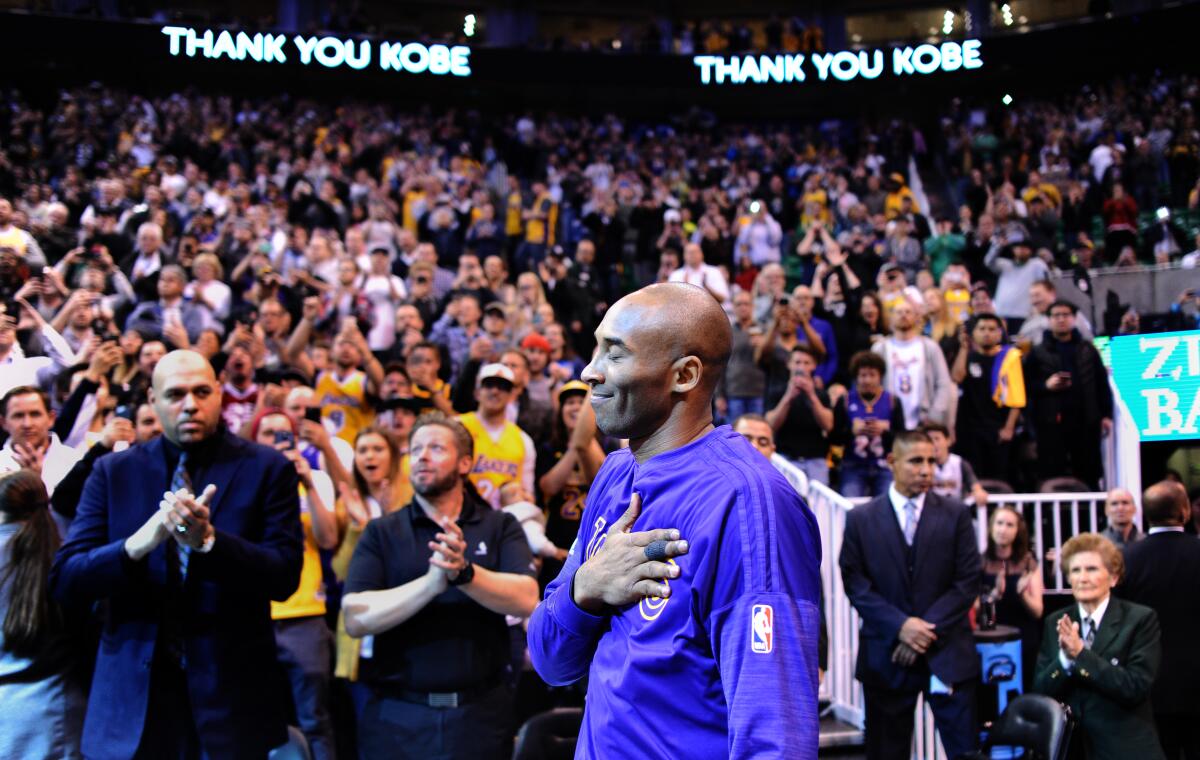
(690, 596)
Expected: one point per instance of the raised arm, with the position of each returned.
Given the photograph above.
(370, 609)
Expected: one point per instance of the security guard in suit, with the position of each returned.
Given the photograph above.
(1100, 656)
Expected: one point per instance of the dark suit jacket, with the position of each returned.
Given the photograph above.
(1162, 572)
(1108, 689)
(147, 318)
(943, 586)
(229, 639)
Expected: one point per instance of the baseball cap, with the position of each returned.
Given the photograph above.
(495, 307)
(496, 370)
(672, 215)
(557, 252)
(534, 340)
(572, 386)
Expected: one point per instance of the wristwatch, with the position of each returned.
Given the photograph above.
(465, 576)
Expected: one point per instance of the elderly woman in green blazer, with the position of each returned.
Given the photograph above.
(1100, 656)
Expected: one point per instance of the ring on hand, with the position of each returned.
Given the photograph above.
(656, 551)
(181, 529)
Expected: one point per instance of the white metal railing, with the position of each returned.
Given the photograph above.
(840, 686)
(1052, 518)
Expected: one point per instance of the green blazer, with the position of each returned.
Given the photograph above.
(1108, 689)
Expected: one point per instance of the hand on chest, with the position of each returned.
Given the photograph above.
(652, 616)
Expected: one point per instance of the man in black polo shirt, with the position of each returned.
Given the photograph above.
(431, 584)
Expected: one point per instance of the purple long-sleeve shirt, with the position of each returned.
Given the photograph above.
(727, 666)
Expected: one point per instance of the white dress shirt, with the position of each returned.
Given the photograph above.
(704, 276)
(1067, 662)
(898, 502)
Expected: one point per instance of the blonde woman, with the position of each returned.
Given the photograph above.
(530, 298)
(381, 486)
(207, 286)
(768, 287)
(941, 324)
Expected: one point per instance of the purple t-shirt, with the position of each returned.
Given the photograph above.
(727, 666)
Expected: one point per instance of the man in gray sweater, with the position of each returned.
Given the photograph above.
(1016, 275)
(741, 390)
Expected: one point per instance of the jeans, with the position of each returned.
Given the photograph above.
(861, 478)
(740, 406)
(303, 646)
(529, 255)
(816, 468)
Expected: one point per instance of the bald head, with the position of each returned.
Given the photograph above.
(186, 397)
(685, 320)
(1119, 508)
(660, 353)
(1166, 504)
(177, 361)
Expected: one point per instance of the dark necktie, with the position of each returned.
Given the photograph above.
(1089, 632)
(181, 480)
(177, 560)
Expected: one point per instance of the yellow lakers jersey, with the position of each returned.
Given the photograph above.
(344, 406)
(497, 463)
(309, 598)
(513, 224)
(440, 387)
(14, 238)
(542, 230)
(958, 301)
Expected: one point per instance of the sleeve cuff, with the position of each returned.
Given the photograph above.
(1067, 663)
(570, 616)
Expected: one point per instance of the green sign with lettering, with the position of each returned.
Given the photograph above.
(1158, 376)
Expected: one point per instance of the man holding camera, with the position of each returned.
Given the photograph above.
(157, 318)
(803, 418)
(1069, 399)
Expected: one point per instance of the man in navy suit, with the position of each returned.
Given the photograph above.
(186, 666)
(911, 569)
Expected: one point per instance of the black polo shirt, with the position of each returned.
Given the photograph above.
(453, 643)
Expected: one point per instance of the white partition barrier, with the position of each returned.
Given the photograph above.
(1052, 519)
(841, 621)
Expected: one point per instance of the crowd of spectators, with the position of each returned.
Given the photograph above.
(346, 269)
(709, 36)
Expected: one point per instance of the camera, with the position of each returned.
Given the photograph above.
(286, 437)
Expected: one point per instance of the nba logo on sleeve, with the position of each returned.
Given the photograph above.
(762, 629)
